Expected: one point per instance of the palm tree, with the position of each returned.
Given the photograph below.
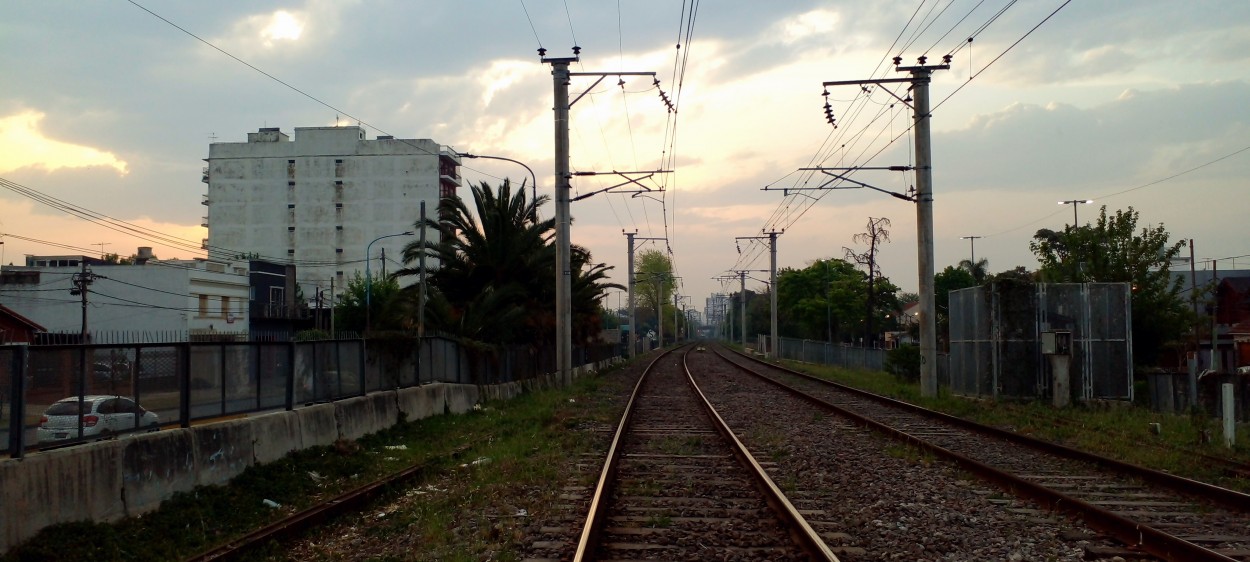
(496, 273)
(979, 270)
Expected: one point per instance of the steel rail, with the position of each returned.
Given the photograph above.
(607, 476)
(802, 532)
(306, 519)
(1230, 499)
(1148, 539)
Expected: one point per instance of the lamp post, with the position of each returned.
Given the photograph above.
(1074, 203)
(369, 278)
(533, 178)
(972, 243)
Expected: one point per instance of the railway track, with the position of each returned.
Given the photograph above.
(1167, 517)
(678, 485)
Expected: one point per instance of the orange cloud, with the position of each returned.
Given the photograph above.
(23, 145)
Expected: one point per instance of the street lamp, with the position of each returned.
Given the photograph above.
(1074, 203)
(369, 278)
(972, 242)
(533, 178)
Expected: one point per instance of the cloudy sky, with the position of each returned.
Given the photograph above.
(110, 108)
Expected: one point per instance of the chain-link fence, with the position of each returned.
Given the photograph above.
(836, 354)
(995, 335)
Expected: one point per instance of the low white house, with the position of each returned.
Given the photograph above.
(192, 297)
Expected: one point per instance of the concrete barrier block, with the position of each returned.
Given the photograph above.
(423, 401)
(274, 435)
(361, 416)
(155, 466)
(317, 425)
(461, 397)
(73, 484)
(222, 450)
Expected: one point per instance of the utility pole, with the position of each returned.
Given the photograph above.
(742, 298)
(564, 281)
(629, 283)
(421, 289)
(972, 243)
(560, 77)
(921, 76)
(633, 313)
(772, 269)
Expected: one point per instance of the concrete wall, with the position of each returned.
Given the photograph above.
(132, 475)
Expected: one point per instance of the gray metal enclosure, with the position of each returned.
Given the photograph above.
(995, 333)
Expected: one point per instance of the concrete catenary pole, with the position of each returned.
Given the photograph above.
(742, 298)
(633, 325)
(921, 76)
(564, 300)
(421, 290)
(774, 352)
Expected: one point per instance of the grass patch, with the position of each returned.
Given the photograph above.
(1120, 431)
(661, 521)
(527, 442)
(673, 445)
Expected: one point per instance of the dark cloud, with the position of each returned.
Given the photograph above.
(1029, 146)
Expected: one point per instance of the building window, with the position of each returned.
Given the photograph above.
(290, 229)
(338, 161)
(338, 250)
(290, 183)
(338, 205)
(290, 205)
(338, 227)
(203, 305)
(225, 306)
(338, 183)
(290, 252)
(338, 273)
(290, 161)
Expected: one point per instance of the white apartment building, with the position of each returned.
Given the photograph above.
(319, 200)
(194, 297)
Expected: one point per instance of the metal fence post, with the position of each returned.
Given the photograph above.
(290, 375)
(364, 362)
(17, 402)
(184, 384)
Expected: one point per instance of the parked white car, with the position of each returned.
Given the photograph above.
(101, 415)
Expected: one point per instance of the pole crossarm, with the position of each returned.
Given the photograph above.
(601, 76)
(844, 177)
(628, 180)
(921, 76)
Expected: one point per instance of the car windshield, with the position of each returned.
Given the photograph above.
(68, 408)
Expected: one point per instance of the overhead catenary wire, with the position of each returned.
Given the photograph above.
(302, 92)
(791, 209)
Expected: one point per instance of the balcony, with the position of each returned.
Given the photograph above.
(204, 222)
(204, 175)
(204, 201)
(203, 243)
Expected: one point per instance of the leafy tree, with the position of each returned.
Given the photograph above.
(1112, 250)
(653, 287)
(387, 309)
(826, 301)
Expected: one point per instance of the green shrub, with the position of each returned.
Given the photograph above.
(904, 363)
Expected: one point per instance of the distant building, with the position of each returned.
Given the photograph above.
(156, 300)
(319, 200)
(274, 311)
